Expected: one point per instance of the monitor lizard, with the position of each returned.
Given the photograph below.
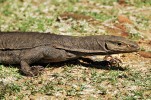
(25, 48)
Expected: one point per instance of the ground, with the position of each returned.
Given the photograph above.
(127, 18)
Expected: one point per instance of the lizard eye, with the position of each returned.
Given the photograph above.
(119, 44)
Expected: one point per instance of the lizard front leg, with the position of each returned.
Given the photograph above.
(28, 57)
(43, 54)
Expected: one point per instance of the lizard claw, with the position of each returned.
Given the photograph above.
(112, 61)
(37, 70)
(31, 71)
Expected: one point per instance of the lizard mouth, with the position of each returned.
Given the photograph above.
(106, 47)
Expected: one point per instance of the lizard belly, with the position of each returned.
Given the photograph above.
(64, 56)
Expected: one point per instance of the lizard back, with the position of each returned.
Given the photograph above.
(27, 40)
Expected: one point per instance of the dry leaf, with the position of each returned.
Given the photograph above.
(122, 27)
(124, 19)
(124, 32)
(76, 16)
(122, 2)
(145, 54)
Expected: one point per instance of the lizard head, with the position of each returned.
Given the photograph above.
(116, 44)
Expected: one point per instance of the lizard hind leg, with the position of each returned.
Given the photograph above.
(30, 71)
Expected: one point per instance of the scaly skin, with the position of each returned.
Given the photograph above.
(29, 47)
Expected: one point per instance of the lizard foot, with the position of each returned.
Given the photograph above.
(37, 70)
(113, 61)
(30, 71)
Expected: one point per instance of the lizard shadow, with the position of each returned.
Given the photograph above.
(86, 62)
